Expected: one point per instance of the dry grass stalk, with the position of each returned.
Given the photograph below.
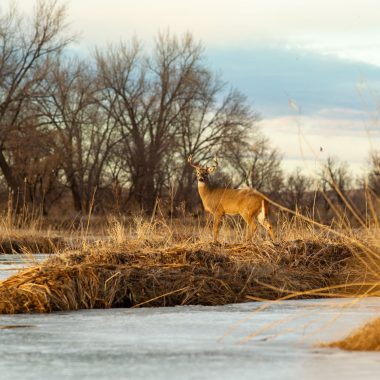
(365, 338)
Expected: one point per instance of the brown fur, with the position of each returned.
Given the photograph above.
(221, 201)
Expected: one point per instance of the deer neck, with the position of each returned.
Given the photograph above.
(204, 188)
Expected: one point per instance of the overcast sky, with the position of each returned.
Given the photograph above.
(310, 68)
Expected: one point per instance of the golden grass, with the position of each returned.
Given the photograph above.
(365, 338)
(47, 236)
(142, 274)
(32, 244)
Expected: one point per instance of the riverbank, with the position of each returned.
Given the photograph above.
(132, 275)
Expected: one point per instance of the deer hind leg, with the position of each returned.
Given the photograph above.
(217, 220)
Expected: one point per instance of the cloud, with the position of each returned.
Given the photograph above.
(328, 122)
(345, 29)
(307, 141)
(270, 76)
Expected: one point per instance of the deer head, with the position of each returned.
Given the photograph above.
(202, 172)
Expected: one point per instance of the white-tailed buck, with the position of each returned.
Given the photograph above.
(221, 201)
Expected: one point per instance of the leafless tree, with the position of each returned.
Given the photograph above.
(374, 175)
(257, 164)
(296, 188)
(127, 118)
(336, 178)
(27, 46)
(85, 136)
(166, 107)
(30, 149)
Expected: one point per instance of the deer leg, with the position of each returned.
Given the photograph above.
(251, 226)
(217, 220)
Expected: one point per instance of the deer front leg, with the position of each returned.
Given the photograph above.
(251, 226)
(217, 219)
(251, 229)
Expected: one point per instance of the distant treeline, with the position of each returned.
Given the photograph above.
(114, 130)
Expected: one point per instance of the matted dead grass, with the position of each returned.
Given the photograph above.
(130, 275)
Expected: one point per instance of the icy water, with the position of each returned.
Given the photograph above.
(11, 264)
(241, 341)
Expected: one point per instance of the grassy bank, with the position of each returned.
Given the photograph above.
(49, 236)
(142, 274)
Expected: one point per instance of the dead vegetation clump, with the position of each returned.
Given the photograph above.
(202, 274)
(365, 338)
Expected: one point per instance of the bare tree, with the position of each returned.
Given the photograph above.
(27, 46)
(296, 188)
(257, 164)
(374, 175)
(85, 136)
(31, 152)
(336, 178)
(166, 108)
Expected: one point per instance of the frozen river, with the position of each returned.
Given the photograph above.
(11, 264)
(241, 341)
(184, 343)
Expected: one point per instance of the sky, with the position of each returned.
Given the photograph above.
(311, 69)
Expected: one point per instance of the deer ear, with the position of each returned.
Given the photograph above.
(211, 169)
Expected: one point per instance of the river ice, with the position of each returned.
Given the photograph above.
(185, 342)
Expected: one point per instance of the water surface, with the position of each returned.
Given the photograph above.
(184, 342)
(12, 263)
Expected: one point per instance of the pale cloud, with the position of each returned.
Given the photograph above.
(347, 29)
(363, 48)
(328, 121)
(307, 141)
(223, 19)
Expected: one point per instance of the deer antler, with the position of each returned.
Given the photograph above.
(190, 161)
(212, 168)
(215, 162)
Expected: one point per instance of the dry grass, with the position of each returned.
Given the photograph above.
(159, 262)
(139, 273)
(40, 236)
(33, 244)
(365, 338)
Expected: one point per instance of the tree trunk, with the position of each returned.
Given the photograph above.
(7, 171)
(77, 199)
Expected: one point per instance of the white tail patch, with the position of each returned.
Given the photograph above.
(261, 216)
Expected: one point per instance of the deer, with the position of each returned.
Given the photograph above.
(219, 201)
